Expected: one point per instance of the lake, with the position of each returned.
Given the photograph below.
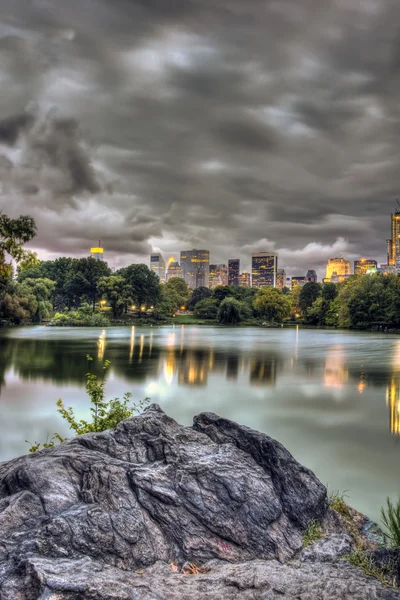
(331, 397)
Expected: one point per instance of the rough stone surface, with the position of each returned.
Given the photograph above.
(328, 549)
(84, 519)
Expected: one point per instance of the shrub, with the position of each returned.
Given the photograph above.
(391, 520)
(81, 317)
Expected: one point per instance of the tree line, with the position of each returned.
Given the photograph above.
(73, 290)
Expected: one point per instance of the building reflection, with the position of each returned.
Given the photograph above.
(336, 373)
(393, 393)
(101, 345)
(263, 371)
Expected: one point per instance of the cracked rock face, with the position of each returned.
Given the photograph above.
(83, 519)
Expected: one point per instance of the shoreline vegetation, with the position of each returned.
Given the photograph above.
(86, 292)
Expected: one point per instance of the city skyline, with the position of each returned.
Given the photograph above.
(236, 127)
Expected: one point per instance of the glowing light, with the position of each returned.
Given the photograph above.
(132, 346)
(101, 345)
(141, 347)
(170, 260)
(182, 308)
(336, 374)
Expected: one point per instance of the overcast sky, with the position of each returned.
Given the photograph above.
(231, 125)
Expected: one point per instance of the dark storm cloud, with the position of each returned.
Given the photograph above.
(227, 124)
(12, 126)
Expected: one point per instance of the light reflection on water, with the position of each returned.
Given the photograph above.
(333, 398)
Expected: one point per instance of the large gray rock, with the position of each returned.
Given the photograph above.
(77, 520)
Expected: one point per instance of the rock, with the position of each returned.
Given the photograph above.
(103, 516)
(387, 560)
(328, 549)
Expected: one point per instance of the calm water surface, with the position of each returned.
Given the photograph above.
(332, 398)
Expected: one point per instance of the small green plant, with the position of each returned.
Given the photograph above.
(385, 574)
(313, 533)
(391, 520)
(106, 414)
(336, 501)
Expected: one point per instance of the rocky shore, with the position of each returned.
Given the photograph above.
(157, 511)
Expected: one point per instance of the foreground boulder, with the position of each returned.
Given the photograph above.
(118, 514)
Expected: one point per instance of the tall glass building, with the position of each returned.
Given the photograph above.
(280, 279)
(97, 253)
(393, 245)
(218, 275)
(337, 266)
(233, 271)
(157, 265)
(195, 265)
(264, 266)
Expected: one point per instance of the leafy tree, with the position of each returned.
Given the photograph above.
(11, 309)
(271, 304)
(199, 293)
(221, 292)
(295, 300)
(35, 295)
(206, 309)
(143, 285)
(82, 279)
(14, 233)
(174, 295)
(230, 311)
(329, 291)
(116, 291)
(308, 294)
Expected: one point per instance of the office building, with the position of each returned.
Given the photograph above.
(337, 266)
(311, 276)
(157, 265)
(393, 245)
(218, 275)
(173, 269)
(280, 279)
(245, 279)
(298, 282)
(264, 266)
(233, 271)
(97, 253)
(288, 283)
(195, 265)
(387, 269)
(362, 266)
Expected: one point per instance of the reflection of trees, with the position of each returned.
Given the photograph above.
(263, 370)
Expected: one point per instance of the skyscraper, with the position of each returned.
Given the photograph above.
(173, 269)
(264, 266)
(280, 279)
(298, 282)
(97, 253)
(218, 275)
(245, 279)
(157, 265)
(233, 271)
(362, 265)
(337, 266)
(393, 245)
(195, 265)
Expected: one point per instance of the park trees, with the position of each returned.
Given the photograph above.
(14, 233)
(142, 285)
(35, 297)
(271, 304)
(115, 290)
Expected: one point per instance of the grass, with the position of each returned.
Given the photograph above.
(336, 501)
(192, 320)
(383, 574)
(313, 533)
(391, 520)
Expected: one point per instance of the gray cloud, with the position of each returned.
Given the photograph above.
(225, 124)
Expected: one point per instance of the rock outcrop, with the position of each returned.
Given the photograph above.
(116, 515)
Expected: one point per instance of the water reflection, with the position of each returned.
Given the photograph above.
(177, 358)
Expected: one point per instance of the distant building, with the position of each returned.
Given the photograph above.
(311, 276)
(362, 266)
(338, 267)
(387, 269)
(264, 266)
(195, 265)
(245, 279)
(97, 253)
(393, 245)
(288, 283)
(173, 269)
(233, 271)
(157, 265)
(280, 279)
(298, 282)
(218, 275)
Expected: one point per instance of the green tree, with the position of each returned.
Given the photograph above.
(271, 304)
(11, 309)
(35, 296)
(14, 233)
(308, 294)
(230, 311)
(294, 298)
(329, 291)
(116, 291)
(82, 279)
(143, 285)
(199, 293)
(206, 309)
